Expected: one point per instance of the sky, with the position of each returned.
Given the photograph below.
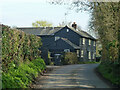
(22, 13)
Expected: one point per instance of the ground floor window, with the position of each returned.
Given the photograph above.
(78, 53)
(93, 55)
(89, 55)
(82, 53)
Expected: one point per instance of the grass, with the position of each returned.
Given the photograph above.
(110, 72)
(89, 62)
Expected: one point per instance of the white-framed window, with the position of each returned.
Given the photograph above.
(93, 55)
(94, 43)
(56, 38)
(83, 41)
(78, 53)
(82, 53)
(89, 55)
(67, 30)
(89, 42)
(66, 50)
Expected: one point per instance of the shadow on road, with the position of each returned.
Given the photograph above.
(71, 76)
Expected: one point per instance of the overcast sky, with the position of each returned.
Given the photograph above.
(23, 12)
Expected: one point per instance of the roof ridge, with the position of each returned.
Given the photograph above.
(39, 27)
(53, 30)
(79, 32)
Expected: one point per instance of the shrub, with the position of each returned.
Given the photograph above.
(70, 58)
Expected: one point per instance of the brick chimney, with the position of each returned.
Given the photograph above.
(74, 25)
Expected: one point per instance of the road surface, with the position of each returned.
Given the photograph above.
(71, 76)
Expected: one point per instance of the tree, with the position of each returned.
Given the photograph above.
(42, 24)
(63, 23)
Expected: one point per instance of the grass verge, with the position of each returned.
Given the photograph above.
(22, 76)
(89, 62)
(111, 73)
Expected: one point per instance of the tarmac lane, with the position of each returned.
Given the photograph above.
(71, 76)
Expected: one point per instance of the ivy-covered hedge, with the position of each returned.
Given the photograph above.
(21, 61)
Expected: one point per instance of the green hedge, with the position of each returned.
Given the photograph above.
(17, 47)
(23, 75)
(21, 61)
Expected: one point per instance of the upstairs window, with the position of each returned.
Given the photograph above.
(89, 42)
(93, 55)
(82, 53)
(56, 38)
(89, 55)
(94, 43)
(67, 30)
(83, 41)
(78, 53)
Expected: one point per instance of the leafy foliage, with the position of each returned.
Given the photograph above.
(105, 20)
(18, 47)
(42, 24)
(21, 61)
(22, 76)
(69, 58)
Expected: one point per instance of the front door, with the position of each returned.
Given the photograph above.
(57, 59)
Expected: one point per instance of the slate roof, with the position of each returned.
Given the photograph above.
(70, 43)
(40, 30)
(82, 33)
(51, 31)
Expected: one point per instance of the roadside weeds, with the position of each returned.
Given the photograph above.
(104, 79)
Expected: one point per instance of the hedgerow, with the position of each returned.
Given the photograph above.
(18, 47)
(23, 75)
(21, 61)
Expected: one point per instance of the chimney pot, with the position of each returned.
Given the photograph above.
(74, 25)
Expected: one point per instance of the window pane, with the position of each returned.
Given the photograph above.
(94, 43)
(77, 53)
(56, 38)
(89, 57)
(83, 40)
(82, 53)
(67, 30)
(66, 50)
(89, 42)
